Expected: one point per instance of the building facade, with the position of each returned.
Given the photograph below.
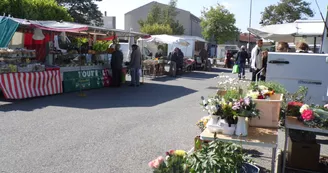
(190, 22)
(109, 22)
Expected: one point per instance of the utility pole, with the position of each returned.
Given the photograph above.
(249, 25)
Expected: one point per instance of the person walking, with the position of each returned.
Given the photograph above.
(256, 60)
(135, 66)
(117, 66)
(180, 62)
(242, 57)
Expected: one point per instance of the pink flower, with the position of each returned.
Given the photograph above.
(326, 106)
(307, 115)
(151, 164)
(156, 164)
(160, 159)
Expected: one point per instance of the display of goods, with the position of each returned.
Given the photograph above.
(17, 53)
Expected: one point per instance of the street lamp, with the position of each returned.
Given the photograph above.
(249, 25)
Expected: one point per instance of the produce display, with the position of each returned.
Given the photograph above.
(18, 60)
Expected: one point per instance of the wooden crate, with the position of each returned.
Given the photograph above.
(269, 112)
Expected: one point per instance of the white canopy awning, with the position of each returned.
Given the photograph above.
(165, 39)
(287, 32)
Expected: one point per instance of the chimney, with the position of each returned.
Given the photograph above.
(105, 13)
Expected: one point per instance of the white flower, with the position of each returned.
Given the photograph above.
(304, 107)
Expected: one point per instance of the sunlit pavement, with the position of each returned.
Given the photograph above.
(115, 130)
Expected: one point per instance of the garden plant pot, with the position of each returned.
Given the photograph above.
(241, 127)
(226, 130)
(249, 168)
(269, 112)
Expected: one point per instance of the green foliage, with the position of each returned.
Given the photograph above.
(160, 19)
(101, 46)
(286, 11)
(275, 86)
(219, 23)
(155, 29)
(233, 94)
(35, 10)
(218, 157)
(83, 11)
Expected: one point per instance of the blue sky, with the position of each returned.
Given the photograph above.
(238, 7)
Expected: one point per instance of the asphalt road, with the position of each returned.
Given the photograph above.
(111, 130)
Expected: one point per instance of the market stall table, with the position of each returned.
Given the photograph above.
(31, 84)
(262, 137)
(291, 123)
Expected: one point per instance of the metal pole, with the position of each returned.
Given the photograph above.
(249, 25)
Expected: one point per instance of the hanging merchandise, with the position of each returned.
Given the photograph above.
(38, 35)
(63, 37)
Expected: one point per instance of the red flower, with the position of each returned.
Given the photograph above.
(295, 104)
(307, 115)
(171, 152)
(260, 97)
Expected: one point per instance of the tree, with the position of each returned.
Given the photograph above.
(83, 11)
(286, 11)
(35, 10)
(162, 18)
(218, 23)
(156, 29)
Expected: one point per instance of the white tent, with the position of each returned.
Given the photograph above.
(165, 39)
(287, 32)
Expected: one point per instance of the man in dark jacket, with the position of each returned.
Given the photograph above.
(117, 66)
(203, 55)
(174, 56)
(180, 61)
(242, 57)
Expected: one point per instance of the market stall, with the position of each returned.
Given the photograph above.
(22, 73)
(72, 51)
(156, 66)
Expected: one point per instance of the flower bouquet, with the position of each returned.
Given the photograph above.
(314, 116)
(175, 161)
(203, 122)
(221, 113)
(261, 92)
(245, 108)
(227, 83)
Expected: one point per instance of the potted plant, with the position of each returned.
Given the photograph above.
(245, 108)
(220, 156)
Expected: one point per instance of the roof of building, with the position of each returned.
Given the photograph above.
(155, 2)
(244, 37)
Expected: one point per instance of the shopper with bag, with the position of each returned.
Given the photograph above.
(242, 56)
(135, 66)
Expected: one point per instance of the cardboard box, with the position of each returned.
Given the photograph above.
(303, 155)
(269, 112)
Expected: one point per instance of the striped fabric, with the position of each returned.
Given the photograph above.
(32, 84)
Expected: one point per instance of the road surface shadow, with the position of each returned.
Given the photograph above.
(253, 153)
(147, 95)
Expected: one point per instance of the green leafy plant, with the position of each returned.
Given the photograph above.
(233, 94)
(101, 46)
(218, 156)
(275, 86)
